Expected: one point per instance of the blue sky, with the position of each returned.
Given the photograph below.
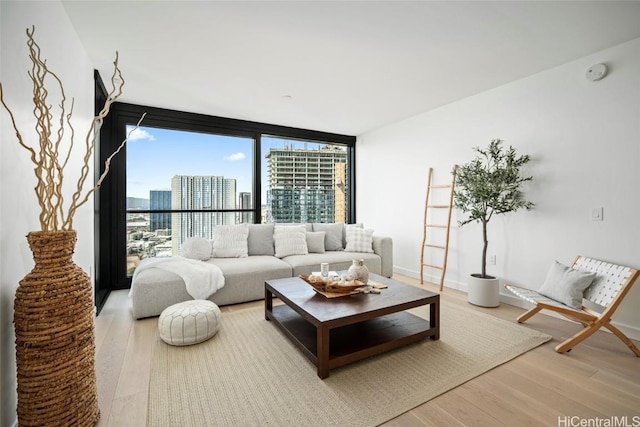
(154, 155)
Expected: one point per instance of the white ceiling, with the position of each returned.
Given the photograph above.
(343, 67)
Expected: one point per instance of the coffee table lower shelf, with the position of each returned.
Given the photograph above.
(352, 342)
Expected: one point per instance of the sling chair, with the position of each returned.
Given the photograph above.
(605, 291)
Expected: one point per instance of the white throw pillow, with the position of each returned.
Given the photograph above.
(566, 285)
(290, 240)
(359, 240)
(315, 242)
(230, 241)
(197, 248)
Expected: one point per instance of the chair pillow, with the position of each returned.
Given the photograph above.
(197, 248)
(230, 241)
(290, 240)
(333, 236)
(359, 240)
(566, 285)
(315, 242)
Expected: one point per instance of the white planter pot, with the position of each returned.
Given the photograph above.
(483, 292)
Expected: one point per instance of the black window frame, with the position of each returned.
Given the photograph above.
(110, 200)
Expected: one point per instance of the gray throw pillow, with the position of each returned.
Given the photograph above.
(315, 242)
(333, 236)
(566, 285)
(261, 239)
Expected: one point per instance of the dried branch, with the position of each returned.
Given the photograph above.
(103, 175)
(56, 136)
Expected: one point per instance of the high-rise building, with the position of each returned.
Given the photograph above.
(245, 202)
(200, 193)
(306, 185)
(160, 200)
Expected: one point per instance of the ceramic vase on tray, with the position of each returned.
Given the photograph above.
(359, 271)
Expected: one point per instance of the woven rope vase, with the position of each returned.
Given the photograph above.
(55, 345)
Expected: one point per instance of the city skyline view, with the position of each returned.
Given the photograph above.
(155, 155)
(190, 171)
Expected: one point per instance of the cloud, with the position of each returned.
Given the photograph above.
(139, 134)
(235, 156)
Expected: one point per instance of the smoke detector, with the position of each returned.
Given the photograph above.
(596, 72)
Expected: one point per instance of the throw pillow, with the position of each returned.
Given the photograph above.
(315, 242)
(359, 240)
(566, 285)
(344, 231)
(230, 241)
(333, 236)
(197, 248)
(260, 240)
(290, 240)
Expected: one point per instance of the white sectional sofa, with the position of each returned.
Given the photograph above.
(259, 252)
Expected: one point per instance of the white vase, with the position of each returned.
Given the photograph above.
(484, 292)
(359, 271)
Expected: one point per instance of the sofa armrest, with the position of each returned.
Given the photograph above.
(383, 246)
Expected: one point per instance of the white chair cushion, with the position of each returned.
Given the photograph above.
(189, 322)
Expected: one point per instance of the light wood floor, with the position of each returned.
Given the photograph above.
(599, 379)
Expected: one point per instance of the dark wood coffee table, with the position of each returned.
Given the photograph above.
(332, 332)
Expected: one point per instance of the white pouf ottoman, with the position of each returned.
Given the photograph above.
(189, 322)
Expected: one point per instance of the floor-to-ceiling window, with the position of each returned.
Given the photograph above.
(182, 184)
(181, 174)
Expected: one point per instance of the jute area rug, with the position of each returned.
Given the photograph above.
(250, 374)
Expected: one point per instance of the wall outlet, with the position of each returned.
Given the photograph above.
(596, 214)
(492, 260)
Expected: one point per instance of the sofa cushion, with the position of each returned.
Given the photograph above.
(230, 241)
(197, 248)
(290, 240)
(333, 236)
(359, 239)
(244, 277)
(315, 242)
(260, 241)
(308, 226)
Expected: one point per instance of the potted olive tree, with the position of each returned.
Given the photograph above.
(489, 185)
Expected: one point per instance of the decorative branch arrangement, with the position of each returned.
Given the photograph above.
(56, 136)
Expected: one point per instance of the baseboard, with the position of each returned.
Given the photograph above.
(431, 278)
(506, 297)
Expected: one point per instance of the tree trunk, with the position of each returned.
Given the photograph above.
(484, 249)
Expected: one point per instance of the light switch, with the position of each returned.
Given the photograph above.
(596, 214)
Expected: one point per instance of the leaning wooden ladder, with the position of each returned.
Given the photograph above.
(428, 206)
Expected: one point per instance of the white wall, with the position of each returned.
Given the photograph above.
(584, 138)
(18, 208)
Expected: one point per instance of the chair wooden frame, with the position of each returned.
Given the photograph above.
(607, 291)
